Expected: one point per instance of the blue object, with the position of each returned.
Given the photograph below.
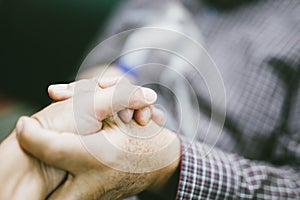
(126, 69)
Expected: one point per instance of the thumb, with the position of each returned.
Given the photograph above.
(123, 95)
(53, 148)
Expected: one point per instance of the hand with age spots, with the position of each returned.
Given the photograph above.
(22, 175)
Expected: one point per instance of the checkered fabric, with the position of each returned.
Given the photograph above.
(214, 174)
(256, 48)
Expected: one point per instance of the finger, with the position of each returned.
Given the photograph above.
(123, 95)
(60, 92)
(126, 115)
(108, 82)
(53, 148)
(68, 191)
(158, 116)
(143, 116)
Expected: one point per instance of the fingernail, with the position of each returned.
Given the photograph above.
(126, 115)
(107, 82)
(58, 87)
(129, 113)
(149, 95)
(146, 115)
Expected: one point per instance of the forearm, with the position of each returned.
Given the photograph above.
(168, 188)
(166, 184)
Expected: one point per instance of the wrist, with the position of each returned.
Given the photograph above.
(165, 186)
(166, 182)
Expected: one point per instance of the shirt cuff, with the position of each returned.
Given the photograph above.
(204, 174)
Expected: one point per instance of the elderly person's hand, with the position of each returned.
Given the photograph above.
(23, 176)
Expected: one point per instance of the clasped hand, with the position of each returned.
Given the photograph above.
(86, 145)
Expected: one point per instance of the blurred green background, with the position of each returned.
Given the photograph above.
(45, 41)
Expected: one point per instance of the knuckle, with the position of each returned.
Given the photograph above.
(136, 97)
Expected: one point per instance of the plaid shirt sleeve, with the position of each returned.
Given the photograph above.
(219, 175)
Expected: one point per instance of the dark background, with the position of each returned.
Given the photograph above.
(45, 41)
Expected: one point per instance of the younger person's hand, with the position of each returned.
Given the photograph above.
(93, 102)
(61, 92)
